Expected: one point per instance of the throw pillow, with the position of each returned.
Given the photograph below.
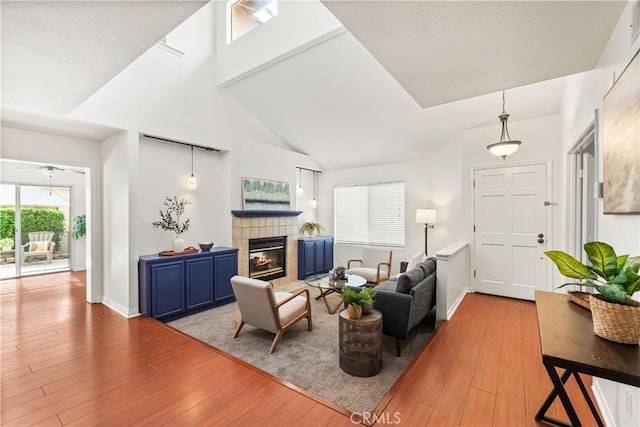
(408, 280)
(416, 259)
(33, 247)
(42, 246)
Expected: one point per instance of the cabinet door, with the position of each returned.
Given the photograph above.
(199, 280)
(226, 266)
(328, 254)
(319, 256)
(309, 258)
(167, 289)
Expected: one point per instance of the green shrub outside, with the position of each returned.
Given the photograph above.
(33, 219)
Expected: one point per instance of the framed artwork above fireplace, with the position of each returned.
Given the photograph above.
(264, 194)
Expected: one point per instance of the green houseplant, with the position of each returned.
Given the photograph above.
(170, 220)
(356, 298)
(616, 316)
(310, 228)
(6, 244)
(79, 226)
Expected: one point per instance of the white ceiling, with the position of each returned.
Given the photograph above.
(56, 54)
(354, 100)
(444, 51)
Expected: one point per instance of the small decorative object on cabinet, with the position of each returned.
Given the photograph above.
(170, 220)
(616, 316)
(205, 246)
(171, 287)
(311, 228)
(315, 256)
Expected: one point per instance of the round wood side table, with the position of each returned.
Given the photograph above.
(361, 344)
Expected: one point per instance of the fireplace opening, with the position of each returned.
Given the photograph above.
(267, 258)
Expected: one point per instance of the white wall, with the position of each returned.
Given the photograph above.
(120, 156)
(621, 231)
(297, 24)
(46, 148)
(164, 169)
(415, 175)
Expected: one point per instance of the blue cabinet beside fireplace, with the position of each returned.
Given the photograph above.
(174, 286)
(315, 256)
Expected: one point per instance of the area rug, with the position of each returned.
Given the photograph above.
(309, 360)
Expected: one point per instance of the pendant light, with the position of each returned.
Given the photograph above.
(506, 146)
(299, 190)
(192, 184)
(314, 202)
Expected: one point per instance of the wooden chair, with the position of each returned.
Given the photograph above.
(262, 307)
(375, 265)
(40, 244)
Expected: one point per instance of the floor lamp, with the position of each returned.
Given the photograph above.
(427, 217)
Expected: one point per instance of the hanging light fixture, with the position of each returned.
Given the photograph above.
(299, 190)
(506, 146)
(314, 202)
(192, 183)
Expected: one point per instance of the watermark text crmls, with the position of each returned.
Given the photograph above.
(371, 418)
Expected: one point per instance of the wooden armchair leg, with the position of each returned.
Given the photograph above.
(397, 346)
(240, 325)
(276, 340)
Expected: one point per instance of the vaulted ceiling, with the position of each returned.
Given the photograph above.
(404, 78)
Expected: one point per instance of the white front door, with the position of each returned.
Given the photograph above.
(510, 222)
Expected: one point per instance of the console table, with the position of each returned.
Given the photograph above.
(567, 341)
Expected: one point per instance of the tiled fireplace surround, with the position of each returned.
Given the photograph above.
(245, 228)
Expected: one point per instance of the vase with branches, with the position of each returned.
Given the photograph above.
(170, 220)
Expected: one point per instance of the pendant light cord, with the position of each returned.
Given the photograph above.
(192, 160)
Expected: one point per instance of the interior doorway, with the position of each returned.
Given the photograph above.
(584, 189)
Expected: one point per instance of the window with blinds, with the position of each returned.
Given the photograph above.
(371, 215)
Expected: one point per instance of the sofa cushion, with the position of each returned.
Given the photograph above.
(428, 266)
(389, 285)
(408, 280)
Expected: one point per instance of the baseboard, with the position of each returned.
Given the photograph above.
(602, 404)
(457, 302)
(123, 311)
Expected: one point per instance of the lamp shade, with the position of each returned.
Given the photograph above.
(192, 183)
(426, 216)
(504, 149)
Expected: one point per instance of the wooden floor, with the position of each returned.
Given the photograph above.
(67, 362)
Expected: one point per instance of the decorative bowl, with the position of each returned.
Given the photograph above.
(205, 246)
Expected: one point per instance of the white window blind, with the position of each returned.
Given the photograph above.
(371, 215)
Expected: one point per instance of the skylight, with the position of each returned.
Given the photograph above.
(245, 15)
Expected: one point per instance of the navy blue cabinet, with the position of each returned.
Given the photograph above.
(170, 287)
(315, 256)
(226, 268)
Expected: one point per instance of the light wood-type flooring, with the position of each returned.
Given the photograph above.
(67, 362)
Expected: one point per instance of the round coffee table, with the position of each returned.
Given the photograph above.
(328, 286)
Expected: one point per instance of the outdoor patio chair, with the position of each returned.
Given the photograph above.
(40, 244)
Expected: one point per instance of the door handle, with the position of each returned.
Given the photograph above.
(540, 240)
(540, 236)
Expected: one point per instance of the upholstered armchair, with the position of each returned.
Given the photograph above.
(260, 306)
(375, 265)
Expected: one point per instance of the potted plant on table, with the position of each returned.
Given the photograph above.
(616, 316)
(311, 228)
(170, 220)
(355, 299)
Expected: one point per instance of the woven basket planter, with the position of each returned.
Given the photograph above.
(615, 322)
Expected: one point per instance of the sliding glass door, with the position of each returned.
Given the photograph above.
(37, 219)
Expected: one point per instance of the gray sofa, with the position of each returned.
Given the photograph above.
(405, 301)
